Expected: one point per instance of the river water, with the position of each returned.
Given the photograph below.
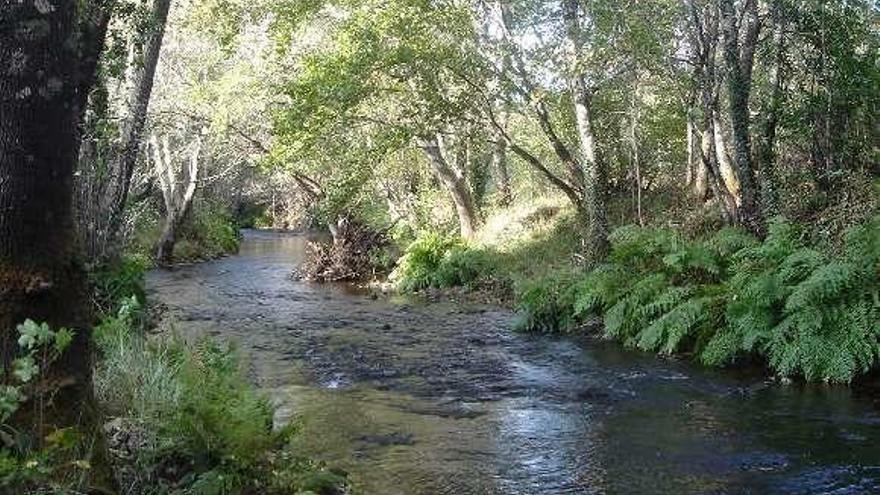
(419, 398)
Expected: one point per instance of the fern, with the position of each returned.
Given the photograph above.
(626, 317)
(599, 290)
(685, 319)
(729, 296)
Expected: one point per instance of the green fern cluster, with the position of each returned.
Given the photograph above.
(729, 296)
(808, 313)
(433, 260)
(660, 290)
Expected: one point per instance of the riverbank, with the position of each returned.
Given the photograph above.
(806, 308)
(181, 414)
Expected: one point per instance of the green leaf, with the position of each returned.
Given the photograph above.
(34, 334)
(25, 369)
(63, 338)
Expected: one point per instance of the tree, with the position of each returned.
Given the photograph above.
(113, 126)
(740, 43)
(178, 186)
(45, 71)
(146, 51)
(593, 170)
(451, 174)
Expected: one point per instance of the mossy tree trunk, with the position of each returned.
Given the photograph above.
(143, 72)
(592, 175)
(739, 53)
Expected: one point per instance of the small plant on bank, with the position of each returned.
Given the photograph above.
(418, 267)
(43, 464)
(433, 260)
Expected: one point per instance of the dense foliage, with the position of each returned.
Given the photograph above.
(728, 297)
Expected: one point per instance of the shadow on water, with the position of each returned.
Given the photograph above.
(414, 398)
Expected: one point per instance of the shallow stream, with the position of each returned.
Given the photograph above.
(417, 398)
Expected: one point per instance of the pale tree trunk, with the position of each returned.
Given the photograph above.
(594, 187)
(703, 37)
(141, 88)
(635, 155)
(690, 171)
(739, 59)
(499, 168)
(697, 176)
(572, 185)
(454, 181)
(41, 277)
(178, 197)
(712, 168)
(728, 174)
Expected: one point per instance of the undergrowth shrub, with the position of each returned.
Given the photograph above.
(547, 304)
(417, 268)
(117, 280)
(727, 296)
(433, 260)
(807, 312)
(192, 422)
(211, 231)
(463, 266)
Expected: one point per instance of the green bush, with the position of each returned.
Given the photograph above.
(808, 313)
(117, 280)
(418, 267)
(58, 461)
(433, 260)
(463, 266)
(196, 412)
(728, 296)
(547, 304)
(210, 232)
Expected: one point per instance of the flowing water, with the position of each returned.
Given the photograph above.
(437, 398)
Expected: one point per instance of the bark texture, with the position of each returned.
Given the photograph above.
(40, 275)
(738, 60)
(143, 74)
(591, 172)
(502, 174)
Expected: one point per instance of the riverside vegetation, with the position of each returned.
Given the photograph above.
(723, 297)
(695, 178)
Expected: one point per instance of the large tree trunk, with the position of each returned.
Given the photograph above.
(593, 173)
(699, 178)
(41, 76)
(728, 174)
(142, 76)
(739, 58)
(455, 183)
(703, 37)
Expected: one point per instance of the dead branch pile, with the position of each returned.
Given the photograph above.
(353, 255)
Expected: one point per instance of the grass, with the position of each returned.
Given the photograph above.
(193, 423)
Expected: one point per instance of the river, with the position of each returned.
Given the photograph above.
(415, 398)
